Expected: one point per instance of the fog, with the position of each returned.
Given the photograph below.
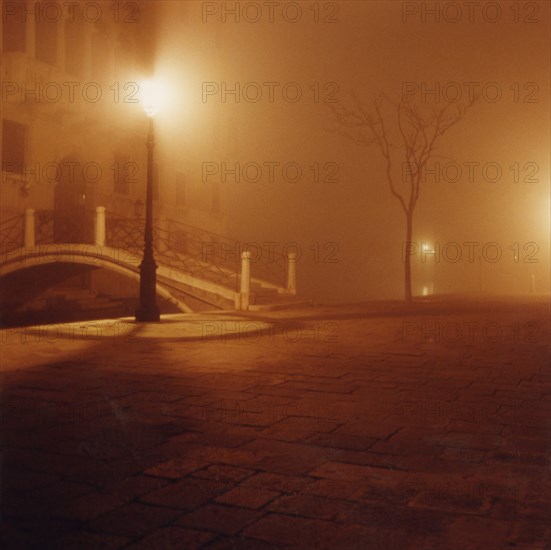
(265, 135)
(275, 274)
(501, 145)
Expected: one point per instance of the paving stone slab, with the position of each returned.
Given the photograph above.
(308, 506)
(174, 538)
(248, 496)
(473, 532)
(148, 448)
(89, 541)
(133, 520)
(218, 518)
(186, 494)
(284, 530)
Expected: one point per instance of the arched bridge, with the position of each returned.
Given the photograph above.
(194, 265)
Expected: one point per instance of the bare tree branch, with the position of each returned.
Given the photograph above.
(418, 136)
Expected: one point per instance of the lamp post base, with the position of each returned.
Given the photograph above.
(148, 311)
(148, 315)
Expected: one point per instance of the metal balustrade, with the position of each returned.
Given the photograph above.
(12, 233)
(186, 249)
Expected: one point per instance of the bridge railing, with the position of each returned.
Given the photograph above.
(217, 250)
(55, 227)
(200, 253)
(124, 233)
(11, 233)
(180, 246)
(44, 226)
(172, 249)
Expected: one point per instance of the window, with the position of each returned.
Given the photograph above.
(13, 146)
(101, 60)
(123, 174)
(74, 49)
(123, 57)
(13, 27)
(142, 188)
(46, 40)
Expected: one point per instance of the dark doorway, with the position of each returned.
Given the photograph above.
(73, 210)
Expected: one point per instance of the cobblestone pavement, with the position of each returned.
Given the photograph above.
(364, 426)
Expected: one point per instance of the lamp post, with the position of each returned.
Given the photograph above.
(148, 310)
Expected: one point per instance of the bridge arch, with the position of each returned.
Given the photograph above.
(193, 272)
(22, 259)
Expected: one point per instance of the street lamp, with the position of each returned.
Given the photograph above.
(148, 310)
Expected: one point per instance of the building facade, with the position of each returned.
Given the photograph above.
(73, 131)
(74, 137)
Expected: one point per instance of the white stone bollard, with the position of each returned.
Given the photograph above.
(100, 225)
(245, 280)
(292, 273)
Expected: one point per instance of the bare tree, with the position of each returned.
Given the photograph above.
(415, 142)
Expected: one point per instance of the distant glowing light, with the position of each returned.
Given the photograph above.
(428, 290)
(425, 248)
(152, 96)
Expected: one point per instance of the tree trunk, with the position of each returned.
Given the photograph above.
(407, 264)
